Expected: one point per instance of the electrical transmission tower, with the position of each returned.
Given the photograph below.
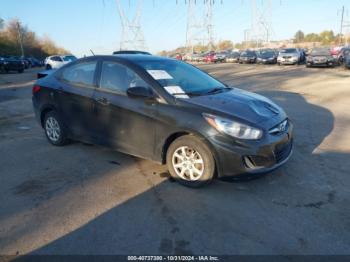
(132, 35)
(261, 26)
(199, 24)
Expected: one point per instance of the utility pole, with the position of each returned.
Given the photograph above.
(341, 25)
(20, 37)
(132, 35)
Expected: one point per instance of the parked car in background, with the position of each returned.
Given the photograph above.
(232, 57)
(289, 56)
(35, 62)
(320, 57)
(178, 57)
(56, 61)
(335, 50)
(266, 56)
(196, 57)
(173, 112)
(340, 58)
(347, 59)
(221, 56)
(8, 64)
(247, 57)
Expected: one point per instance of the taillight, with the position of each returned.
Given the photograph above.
(36, 89)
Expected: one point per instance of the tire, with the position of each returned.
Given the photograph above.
(57, 135)
(48, 67)
(20, 71)
(199, 166)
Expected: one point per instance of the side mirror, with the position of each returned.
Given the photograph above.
(140, 92)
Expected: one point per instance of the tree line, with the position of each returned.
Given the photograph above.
(326, 37)
(14, 36)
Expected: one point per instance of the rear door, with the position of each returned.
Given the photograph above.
(77, 83)
(124, 123)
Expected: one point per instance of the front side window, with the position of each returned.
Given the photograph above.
(56, 58)
(118, 78)
(80, 74)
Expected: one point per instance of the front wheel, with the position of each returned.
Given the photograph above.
(190, 161)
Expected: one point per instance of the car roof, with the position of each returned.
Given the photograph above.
(132, 57)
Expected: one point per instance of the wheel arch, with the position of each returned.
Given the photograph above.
(172, 137)
(46, 109)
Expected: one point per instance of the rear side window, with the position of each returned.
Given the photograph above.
(118, 78)
(56, 58)
(80, 74)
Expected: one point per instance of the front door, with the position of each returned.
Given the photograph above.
(124, 123)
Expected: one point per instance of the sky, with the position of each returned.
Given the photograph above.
(81, 25)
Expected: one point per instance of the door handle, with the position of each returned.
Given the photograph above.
(103, 101)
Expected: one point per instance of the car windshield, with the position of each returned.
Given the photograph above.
(267, 53)
(323, 51)
(69, 58)
(247, 53)
(182, 77)
(289, 50)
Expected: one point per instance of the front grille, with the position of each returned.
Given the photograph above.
(281, 128)
(283, 151)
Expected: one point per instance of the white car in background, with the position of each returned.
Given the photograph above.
(56, 61)
(289, 56)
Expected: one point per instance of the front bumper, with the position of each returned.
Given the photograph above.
(288, 61)
(321, 63)
(253, 157)
(247, 61)
(266, 61)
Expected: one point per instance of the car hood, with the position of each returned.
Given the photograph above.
(241, 105)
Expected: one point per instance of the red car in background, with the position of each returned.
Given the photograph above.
(178, 57)
(210, 58)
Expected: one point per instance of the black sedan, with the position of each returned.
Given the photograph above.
(266, 57)
(8, 64)
(320, 57)
(347, 60)
(164, 110)
(247, 57)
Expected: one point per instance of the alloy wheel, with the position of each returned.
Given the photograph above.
(188, 163)
(52, 129)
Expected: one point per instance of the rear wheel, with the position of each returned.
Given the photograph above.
(54, 129)
(190, 161)
(20, 71)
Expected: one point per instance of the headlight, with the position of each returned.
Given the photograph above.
(233, 128)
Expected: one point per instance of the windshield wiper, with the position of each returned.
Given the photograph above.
(217, 90)
(187, 93)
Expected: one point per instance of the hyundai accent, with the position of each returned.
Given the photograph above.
(164, 110)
